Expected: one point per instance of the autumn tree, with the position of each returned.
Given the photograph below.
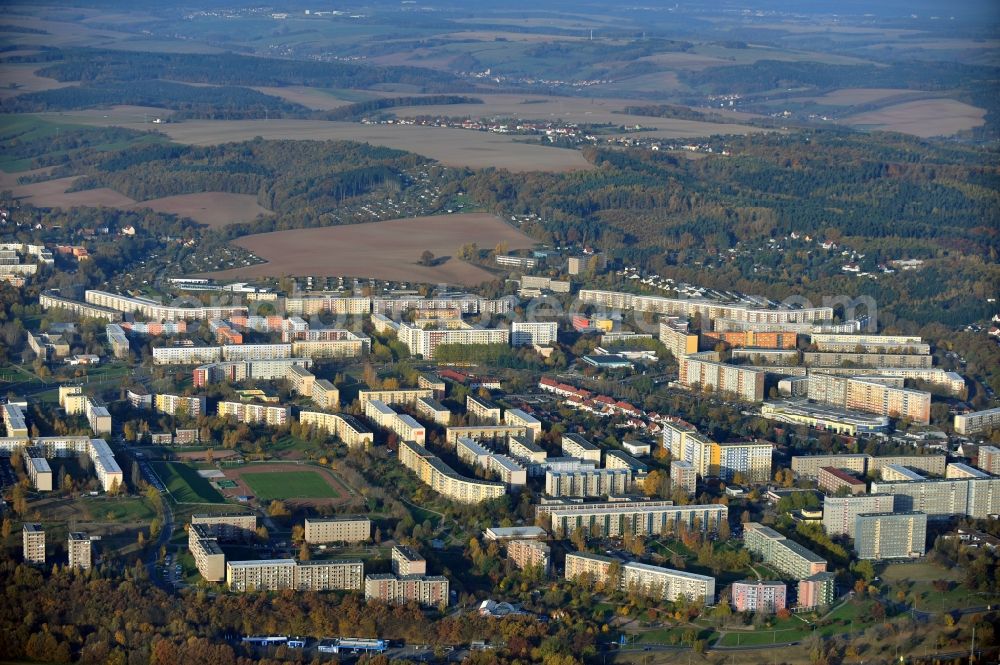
(724, 530)
(278, 509)
(654, 483)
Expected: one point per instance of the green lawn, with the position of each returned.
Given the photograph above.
(184, 483)
(763, 636)
(120, 510)
(917, 580)
(793, 628)
(672, 635)
(289, 485)
(918, 572)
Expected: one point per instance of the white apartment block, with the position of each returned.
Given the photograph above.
(840, 513)
(406, 396)
(13, 420)
(649, 580)
(524, 553)
(251, 352)
(80, 550)
(951, 381)
(40, 473)
(588, 483)
(172, 404)
(519, 418)
(227, 526)
(686, 444)
(325, 395)
(153, 310)
(675, 335)
(426, 590)
(186, 355)
(347, 428)
(407, 561)
(683, 476)
(708, 309)
(209, 558)
(98, 417)
(72, 400)
(524, 449)
(255, 413)
(705, 371)
(504, 468)
(118, 340)
(333, 303)
(941, 498)
(434, 410)
(440, 477)
(33, 543)
(524, 333)
(613, 519)
(337, 530)
(424, 342)
(50, 300)
(344, 345)
(977, 422)
(808, 466)
(495, 433)
(750, 459)
(959, 470)
(989, 459)
(481, 410)
(279, 574)
(108, 473)
(574, 445)
(870, 343)
(403, 425)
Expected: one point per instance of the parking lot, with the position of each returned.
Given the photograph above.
(150, 476)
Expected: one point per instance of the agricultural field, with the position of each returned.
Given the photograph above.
(924, 118)
(282, 485)
(214, 209)
(854, 96)
(52, 193)
(314, 98)
(452, 147)
(381, 250)
(184, 484)
(21, 78)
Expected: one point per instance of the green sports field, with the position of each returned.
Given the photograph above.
(184, 483)
(268, 486)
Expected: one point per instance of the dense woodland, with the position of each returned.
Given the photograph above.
(230, 69)
(208, 102)
(119, 617)
(285, 176)
(48, 149)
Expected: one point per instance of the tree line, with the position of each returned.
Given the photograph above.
(232, 69)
